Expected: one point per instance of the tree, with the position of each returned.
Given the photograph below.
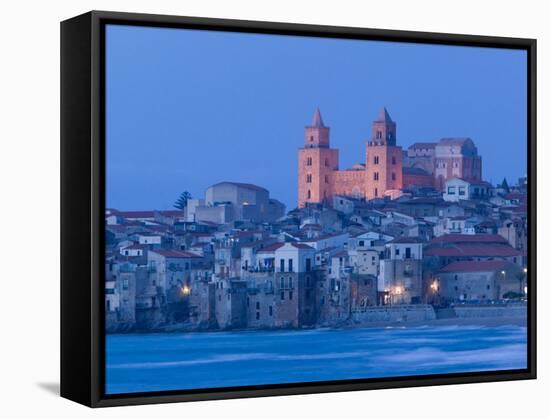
(504, 185)
(181, 203)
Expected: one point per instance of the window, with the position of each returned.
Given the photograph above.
(282, 283)
(397, 251)
(376, 159)
(451, 190)
(290, 267)
(393, 177)
(271, 310)
(378, 135)
(408, 252)
(376, 175)
(308, 264)
(290, 295)
(308, 194)
(257, 315)
(462, 190)
(282, 295)
(375, 191)
(308, 178)
(125, 284)
(282, 266)
(309, 161)
(326, 162)
(393, 160)
(311, 139)
(308, 281)
(290, 282)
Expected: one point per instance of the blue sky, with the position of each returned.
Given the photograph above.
(187, 109)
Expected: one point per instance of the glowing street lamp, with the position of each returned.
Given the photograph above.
(185, 290)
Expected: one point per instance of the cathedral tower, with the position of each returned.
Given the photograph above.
(384, 166)
(316, 163)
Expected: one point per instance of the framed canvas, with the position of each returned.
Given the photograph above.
(241, 216)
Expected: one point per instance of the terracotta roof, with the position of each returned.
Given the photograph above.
(473, 250)
(324, 237)
(137, 214)
(455, 141)
(422, 145)
(176, 254)
(405, 240)
(301, 245)
(475, 266)
(341, 254)
(135, 247)
(469, 238)
(272, 248)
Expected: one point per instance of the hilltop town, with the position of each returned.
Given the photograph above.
(408, 235)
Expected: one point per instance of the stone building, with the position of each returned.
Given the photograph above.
(319, 177)
(446, 159)
(400, 278)
(387, 169)
(226, 202)
(479, 281)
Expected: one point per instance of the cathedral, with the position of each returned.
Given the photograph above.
(387, 170)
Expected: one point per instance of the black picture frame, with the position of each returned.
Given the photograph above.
(83, 206)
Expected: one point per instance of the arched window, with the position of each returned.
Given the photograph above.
(309, 161)
(308, 178)
(376, 176)
(308, 194)
(376, 159)
(378, 134)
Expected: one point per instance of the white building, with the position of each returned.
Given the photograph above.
(457, 189)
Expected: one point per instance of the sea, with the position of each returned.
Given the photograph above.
(180, 361)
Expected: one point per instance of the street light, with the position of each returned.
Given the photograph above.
(185, 290)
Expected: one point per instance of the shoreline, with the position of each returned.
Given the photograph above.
(455, 321)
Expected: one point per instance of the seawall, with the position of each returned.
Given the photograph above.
(394, 314)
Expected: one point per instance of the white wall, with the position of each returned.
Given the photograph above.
(30, 98)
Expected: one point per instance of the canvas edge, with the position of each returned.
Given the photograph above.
(93, 388)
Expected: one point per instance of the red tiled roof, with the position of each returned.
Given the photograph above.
(176, 254)
(473, 250)
(324, 237)
(341, 254)
(405, 240)
(272, 247)
(468, 238)
(422, 145)
(135, 246)
(137, 214)
(301, 246)
(475, 266)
